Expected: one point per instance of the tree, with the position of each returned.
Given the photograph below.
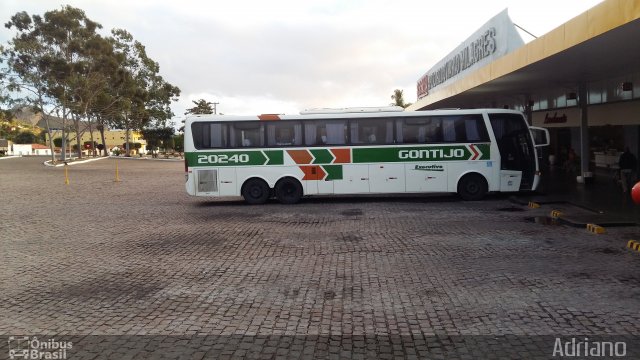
(145, 97)
(168, 144)
(25, 137)
(73, 44)
(398, 99)
(158, 136)
(153, 139)
(67, 67)
(178, 141)
(202, 106)
(28, 68)
(62, 60)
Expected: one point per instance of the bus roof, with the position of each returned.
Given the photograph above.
(315, 114)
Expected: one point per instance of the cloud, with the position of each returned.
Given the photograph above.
(283, 56)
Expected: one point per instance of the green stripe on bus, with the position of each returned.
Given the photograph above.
(417, 153)
(359, 155)
(334, 172)
(275, 157)
(235, 158)
(486, 151)
(322, 156)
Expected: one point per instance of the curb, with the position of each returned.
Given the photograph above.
(139, 158)
(48, 162)
(633, 245)
(10, 157)
(566, 218)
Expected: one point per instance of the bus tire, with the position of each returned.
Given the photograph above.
(288, 190)
(472, 187)
(255, 191)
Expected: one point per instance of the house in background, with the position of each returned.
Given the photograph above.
(28, 149)
(40, 150)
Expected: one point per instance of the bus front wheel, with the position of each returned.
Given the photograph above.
(288, 190)
(255, 191)
(472, 187)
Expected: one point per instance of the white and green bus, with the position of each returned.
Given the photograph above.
(361, 151)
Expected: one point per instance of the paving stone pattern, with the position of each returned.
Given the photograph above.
(387, 276)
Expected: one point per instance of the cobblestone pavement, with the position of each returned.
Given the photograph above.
(347, 275)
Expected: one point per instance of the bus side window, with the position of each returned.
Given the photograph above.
(371, 131)
(464, 128)
(283, 133)
(209, 135)
(433, 130)
(419, 130)
(330, 132)
(246, 134)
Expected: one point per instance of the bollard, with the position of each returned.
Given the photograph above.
(66, 174)
(117, 174)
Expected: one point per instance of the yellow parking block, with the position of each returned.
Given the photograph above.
(533, 205)
(556, 214)
(634, 245)
(596, 229)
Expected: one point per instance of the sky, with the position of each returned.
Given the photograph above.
(284, 56)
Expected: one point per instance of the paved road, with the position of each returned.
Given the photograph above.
(352, 277)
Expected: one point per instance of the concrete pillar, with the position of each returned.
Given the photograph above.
(584, 129)
(528, 109)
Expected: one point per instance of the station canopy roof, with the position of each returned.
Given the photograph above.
(599, 44)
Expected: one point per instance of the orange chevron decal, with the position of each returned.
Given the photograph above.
(300, 156)
(313, 172)
(343, 156)
(268, 117)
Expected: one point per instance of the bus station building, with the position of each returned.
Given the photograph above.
(581, 81)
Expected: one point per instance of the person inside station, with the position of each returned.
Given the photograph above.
(571, 163)
(627, 163)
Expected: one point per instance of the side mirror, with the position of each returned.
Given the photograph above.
(540, 136)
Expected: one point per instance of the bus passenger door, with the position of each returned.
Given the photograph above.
(386, 178)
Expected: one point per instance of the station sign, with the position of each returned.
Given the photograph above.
(493, 40)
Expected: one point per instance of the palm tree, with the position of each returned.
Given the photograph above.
(399, 99)
(202, 107)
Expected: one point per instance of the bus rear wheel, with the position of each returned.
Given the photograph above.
(255, 191)
(288, 191)
(472, 187)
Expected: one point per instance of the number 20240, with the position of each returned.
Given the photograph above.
(223, 159)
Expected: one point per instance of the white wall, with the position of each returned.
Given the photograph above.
(42, 152)
(20, 149)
